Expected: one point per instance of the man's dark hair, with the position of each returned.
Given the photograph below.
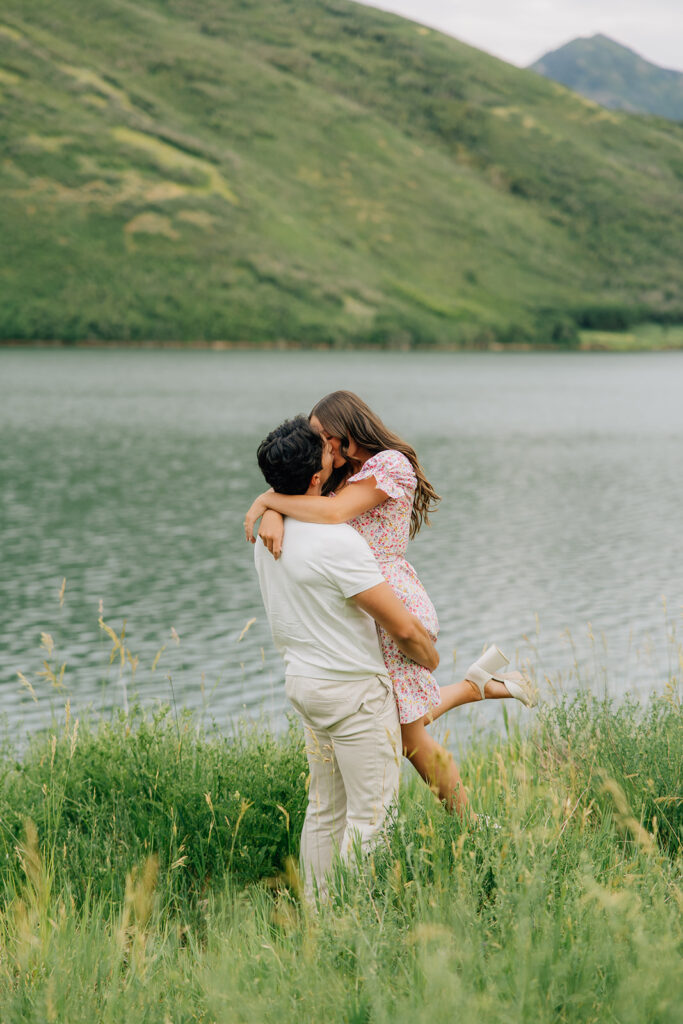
(290, 455)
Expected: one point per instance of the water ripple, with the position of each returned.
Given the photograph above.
(128, 473)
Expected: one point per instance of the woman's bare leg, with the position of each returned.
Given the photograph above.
(435, 765)
(466, 692)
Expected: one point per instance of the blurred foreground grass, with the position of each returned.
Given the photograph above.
(146, 873)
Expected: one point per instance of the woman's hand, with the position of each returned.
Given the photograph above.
(272, 531)
(257, 509)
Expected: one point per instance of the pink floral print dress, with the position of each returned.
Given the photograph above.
(386, 528)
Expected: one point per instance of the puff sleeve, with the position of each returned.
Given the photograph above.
(392, 471)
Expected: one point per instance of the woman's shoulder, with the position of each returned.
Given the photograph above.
(394, 461)
(388, 465)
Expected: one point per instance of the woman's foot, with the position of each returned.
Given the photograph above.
(485, 821)
(487, 670)
(520, 688)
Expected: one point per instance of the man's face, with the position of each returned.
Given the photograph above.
(328, 462)
(335, 442)
(329, 455)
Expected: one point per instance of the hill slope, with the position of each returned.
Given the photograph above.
(318, 171)
(611, 74)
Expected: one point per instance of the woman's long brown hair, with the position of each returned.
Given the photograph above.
(346, 416)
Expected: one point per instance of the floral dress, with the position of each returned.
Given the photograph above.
(386, 528)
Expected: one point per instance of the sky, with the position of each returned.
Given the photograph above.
(521, 31)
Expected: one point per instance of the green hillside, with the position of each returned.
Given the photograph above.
(315, 171)
(615, 76)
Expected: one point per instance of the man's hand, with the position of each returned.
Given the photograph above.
(407, 630)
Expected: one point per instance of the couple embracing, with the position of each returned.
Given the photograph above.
(355, 625)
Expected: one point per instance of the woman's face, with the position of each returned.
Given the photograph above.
(334, 443)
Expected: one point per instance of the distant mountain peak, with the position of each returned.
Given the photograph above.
(615, 76)
(611, 42)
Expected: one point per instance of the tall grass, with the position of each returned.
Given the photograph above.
(147, 874)
(106, 797)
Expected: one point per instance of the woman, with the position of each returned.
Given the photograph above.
(379, 487)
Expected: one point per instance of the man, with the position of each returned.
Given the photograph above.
(323, 598)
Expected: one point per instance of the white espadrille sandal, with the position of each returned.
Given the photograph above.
(489, 666)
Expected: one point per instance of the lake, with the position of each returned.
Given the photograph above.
(559, 536)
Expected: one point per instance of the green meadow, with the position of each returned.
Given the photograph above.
(319, 173)
(148, 874)
(641, 337)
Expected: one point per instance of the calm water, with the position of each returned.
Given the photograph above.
(128, 473)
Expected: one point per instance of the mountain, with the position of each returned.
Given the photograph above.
(319, 172)
(614, 76)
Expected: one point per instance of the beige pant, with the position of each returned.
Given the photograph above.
(353, 745)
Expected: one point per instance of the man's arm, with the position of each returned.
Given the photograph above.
(410, 635)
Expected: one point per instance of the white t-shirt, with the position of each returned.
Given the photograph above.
(318, 630)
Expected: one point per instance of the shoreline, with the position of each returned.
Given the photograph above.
(590, 341)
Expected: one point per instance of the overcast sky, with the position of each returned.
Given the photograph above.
(520, 31)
